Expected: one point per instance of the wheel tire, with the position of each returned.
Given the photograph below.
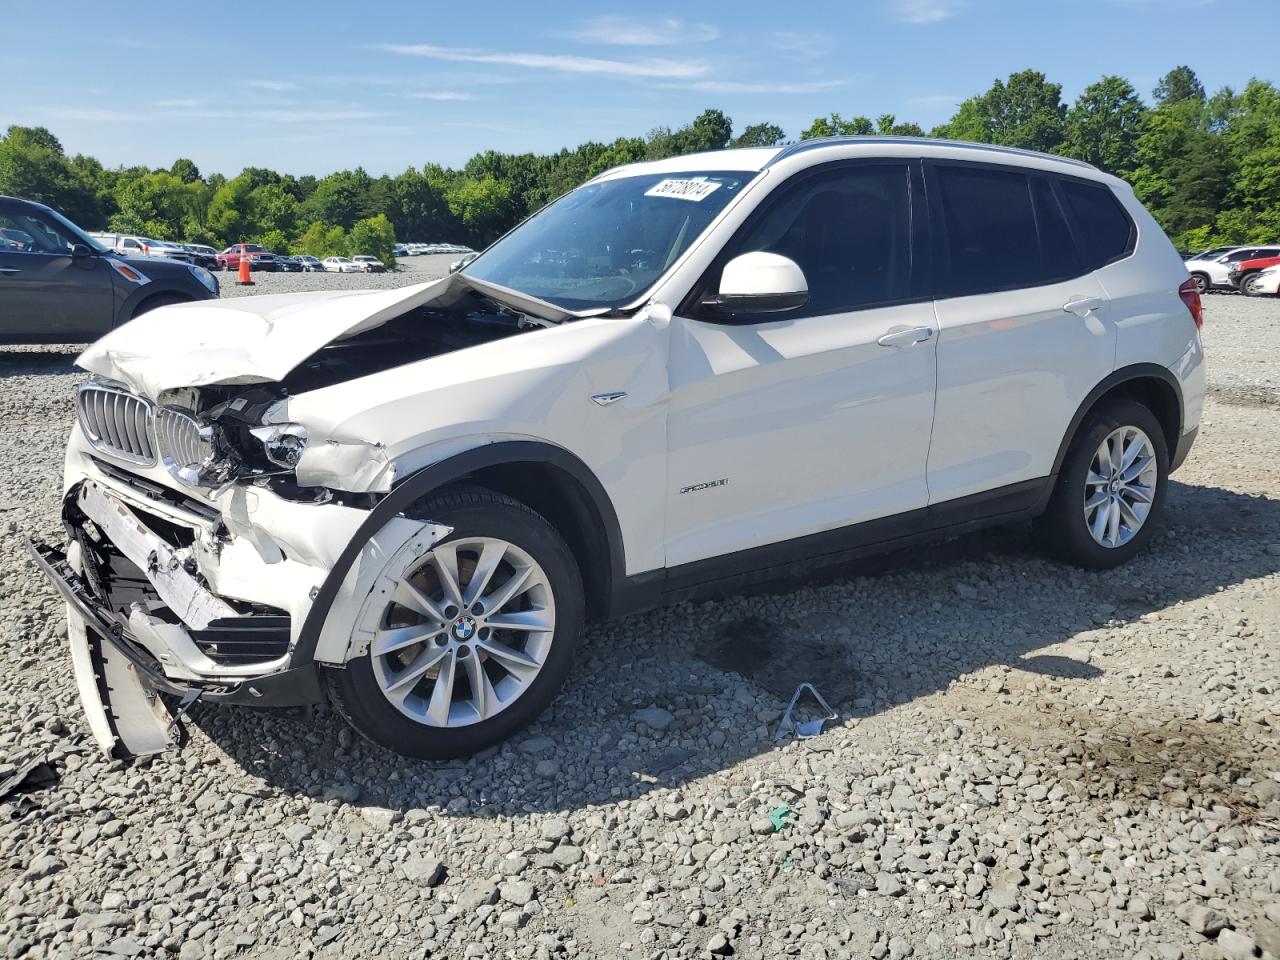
(1202, 283)
(474, 512)
(1249, 285)
(1063, 529)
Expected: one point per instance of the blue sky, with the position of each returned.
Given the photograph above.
(315, 86)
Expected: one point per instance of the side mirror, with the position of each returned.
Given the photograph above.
(760, 282)
(79, 251)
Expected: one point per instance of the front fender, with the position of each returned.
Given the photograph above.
(327, 633)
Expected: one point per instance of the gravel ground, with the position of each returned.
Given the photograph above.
(1030, 760)
(411, 270)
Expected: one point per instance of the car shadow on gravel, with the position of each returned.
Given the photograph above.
(871, 636)
(25, 363)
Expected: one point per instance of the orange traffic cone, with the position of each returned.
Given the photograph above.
(244, 280)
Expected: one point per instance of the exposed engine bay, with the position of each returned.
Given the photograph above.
(222, 433)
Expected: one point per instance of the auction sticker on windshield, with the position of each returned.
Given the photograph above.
(697, 190)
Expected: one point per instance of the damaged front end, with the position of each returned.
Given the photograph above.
(193, 556)
(203, 522)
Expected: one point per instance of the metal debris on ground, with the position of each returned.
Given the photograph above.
(809, 728)
(32, 775)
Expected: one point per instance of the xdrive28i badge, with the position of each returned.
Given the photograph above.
(695, 487)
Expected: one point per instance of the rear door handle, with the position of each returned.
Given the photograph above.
(9, 270)
(906, 337)
(1083, 305)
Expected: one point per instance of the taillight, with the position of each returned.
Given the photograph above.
(1190, 295)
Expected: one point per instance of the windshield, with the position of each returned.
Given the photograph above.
(605, 243)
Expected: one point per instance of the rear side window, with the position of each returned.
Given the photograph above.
(1103, 229)
(1004, 229)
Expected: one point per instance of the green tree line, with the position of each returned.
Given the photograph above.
(1207, 166)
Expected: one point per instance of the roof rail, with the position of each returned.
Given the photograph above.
(819, 142)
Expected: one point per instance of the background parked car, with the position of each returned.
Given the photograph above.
(1264, 283)
(260, 258)
(1215, 273)
(1244, 271)
(370, 264)
(132, 245)
(310, 264)
(341, 265)
(201, 255)
(288, 264)
(63, 286)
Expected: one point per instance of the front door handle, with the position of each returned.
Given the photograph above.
(1082, 306)
(906, 337)
(9, 270)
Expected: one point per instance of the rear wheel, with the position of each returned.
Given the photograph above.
(1202, 282)
(468, 640)
(1251, 286)
(1110, 492)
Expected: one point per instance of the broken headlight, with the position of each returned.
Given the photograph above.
(282, 443)
(193, 451)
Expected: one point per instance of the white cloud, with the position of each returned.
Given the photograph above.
(923, 11)
(178, 104)
(442, 95)
(89, 115)
(937, 100)
(676, 69)
(734, 86)
(801, 46)
(275, 86)
(637, 32)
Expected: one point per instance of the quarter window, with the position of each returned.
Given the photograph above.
(1004, 229)
(1103, 230)
(848, 228)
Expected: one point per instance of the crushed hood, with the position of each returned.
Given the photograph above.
(241, 340)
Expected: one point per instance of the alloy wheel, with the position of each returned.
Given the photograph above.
(1120, 486)
(466, 631)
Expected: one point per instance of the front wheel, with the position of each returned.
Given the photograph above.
(1251, 286)
(469, 640)
(1110, 493)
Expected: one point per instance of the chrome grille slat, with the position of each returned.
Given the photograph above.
(178, 437)
(117, 423)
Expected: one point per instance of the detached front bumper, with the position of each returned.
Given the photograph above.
(208, 596)
(119, 679)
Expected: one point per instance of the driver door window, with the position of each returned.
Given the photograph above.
(848, 228)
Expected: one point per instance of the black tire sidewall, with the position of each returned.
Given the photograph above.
(475, 513)
(1063, 526)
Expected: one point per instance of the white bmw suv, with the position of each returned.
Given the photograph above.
(683, 376)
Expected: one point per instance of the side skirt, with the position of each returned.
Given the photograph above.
(789, 558)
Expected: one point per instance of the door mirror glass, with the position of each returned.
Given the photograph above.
(760, 282)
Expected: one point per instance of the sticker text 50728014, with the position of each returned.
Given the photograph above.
(696, 190)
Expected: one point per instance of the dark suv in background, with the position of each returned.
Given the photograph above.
(59, 285)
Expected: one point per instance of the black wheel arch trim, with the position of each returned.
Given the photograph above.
(129, 309)
(437, 475)
(1137, 371)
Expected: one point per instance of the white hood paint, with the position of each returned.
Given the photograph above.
(243, 340)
